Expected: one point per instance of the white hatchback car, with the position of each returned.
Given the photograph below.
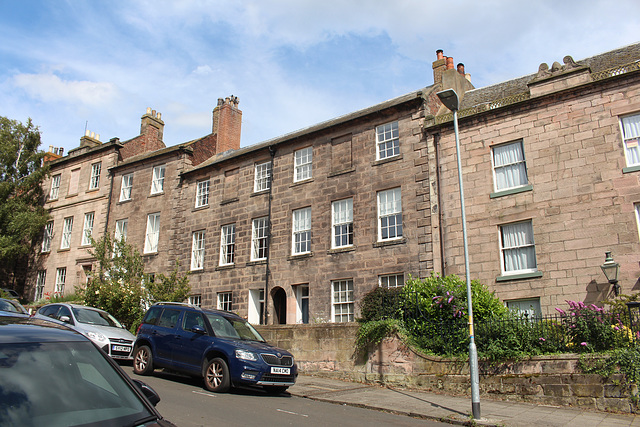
(97, 325)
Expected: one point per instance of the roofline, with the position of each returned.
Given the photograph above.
(105, 146)
(394, 102)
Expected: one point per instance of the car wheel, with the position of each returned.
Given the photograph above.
(216, 376)
(275, 390)
(143, 361)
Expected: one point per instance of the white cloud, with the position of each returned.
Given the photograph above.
(51, 88)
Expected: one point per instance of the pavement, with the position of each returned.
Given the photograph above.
(452, 409)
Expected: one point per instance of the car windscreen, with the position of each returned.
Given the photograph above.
(231, 327)
(7, 306)
(62, 384)
(95, 317)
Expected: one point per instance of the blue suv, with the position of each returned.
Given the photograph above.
(217, 345)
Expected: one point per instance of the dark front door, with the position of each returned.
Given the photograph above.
(280, 306)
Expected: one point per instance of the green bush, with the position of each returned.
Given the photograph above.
(381, 303)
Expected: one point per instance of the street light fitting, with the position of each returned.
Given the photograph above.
(450, 99)
(610, 268)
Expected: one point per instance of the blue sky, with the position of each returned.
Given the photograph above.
(292, 63)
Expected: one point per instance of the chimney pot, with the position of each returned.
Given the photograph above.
(439, 54)
(449, 62)
(148, 110)
(159, 116)
(60, 151)
(461, 68)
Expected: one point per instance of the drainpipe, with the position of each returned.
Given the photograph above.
(272, 152)
(436, 144)
(106, 220)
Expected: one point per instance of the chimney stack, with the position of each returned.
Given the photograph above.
(152, 123)
(227, 124)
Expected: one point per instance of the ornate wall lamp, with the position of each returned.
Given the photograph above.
(610, 268)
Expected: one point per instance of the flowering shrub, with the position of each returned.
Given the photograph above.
(590, 328)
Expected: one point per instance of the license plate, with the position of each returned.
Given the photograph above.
(281, 371)
(121, 348)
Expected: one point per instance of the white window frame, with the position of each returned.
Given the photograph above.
(67, 229)
(630, 128)
(228, 244)
(61, 278)
(197, 250)
(87, 228)
(527, 306)
(121, 230)
(126, 187)
(262, 177)
(195, 300)
(256, 306)
(225, 301)
(259, 238)
(342, 301)
(152, 235)
(47, 237)
(157, 179)
(388, 281)
(303, 164)
(517, 239)
(55, 187)
(387, 141)
(202, 193)
(509, 166)
(301, 231)
(41, 279)
(342, 223)
(636, 207)
(94, 182)
(302, 302)
(390, 209)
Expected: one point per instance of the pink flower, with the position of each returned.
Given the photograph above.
(583, 343)
(542, 339)
(561, 311)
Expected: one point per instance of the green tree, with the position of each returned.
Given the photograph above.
(22, 215)
(121, 287)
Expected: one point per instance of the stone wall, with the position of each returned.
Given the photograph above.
(328, 350)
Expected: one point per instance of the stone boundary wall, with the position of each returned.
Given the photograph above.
(328, 350)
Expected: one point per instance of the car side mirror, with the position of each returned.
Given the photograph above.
(148, 392)
(65, 319)
(198, 330)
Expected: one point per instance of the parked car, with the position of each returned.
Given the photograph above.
(97, 325)
(12, 306)
(218, 346)
(11, 293)
(53, 376)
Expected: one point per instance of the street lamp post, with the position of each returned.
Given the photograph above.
(450, 100)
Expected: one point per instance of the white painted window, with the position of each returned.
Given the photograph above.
(202, 194)
(342, 302)
(197, 251)
(94, 181)
(518, 248)
(301, 231)
(55, 187)
(157, 180)
(195, 300)
(153, 233)
(302, 300)
(67, 228)
(121, 230)
(227, 244)
(303, 160)
(509, 167)
(126, 187)
(262, 179)
(342, 223)
(225, 301)
(631, 137)
(40, 282)
(387, 140)
(259, 237)
(529, 307)
(61, 277)
(389, 214)
(87, 228)
(391, 280)
(256, 306)
(47, 237)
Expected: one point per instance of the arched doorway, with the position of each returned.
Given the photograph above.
(280, 306)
